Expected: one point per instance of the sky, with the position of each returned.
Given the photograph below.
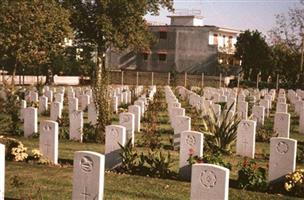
(236, 14)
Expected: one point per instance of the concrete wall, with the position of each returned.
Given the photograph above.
(187, 50)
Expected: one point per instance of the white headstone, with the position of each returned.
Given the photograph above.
(282, 107)
(245, 143)
(2, 171)
(190, 142)
(85, 101)
(43, 104)
(135, 109)
(282, 158)
(73, 105)
(48, 140)
(127, 120)
(242, 109)
(88, 175)
(258, 115)
(266, 104)
(210, 182)
(49, 95)
(76, 125)
(282, 124)
(92, 114)
(142, 106)
(115, 104)
(30, 121)
(115, 135)
(182, 123)
(56, 110)
(22, 107)
(301, 122)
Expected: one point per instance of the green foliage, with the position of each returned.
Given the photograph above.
(31, 31)
(252, 177)
(158, 164)
(300, 152)
(10, 106)
(255, 54)
(264, 135)
(64, 124)
(294, 183)
(220, 132)
(129, 156)
(90, 134)
(9, 143)
(151, 135)
(215, 158)
(102, 104)
(154, 164)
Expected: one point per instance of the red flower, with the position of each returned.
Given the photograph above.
(245, 163)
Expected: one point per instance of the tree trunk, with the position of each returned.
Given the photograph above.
(14, 73)
(101, 100)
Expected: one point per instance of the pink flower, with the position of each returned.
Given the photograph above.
(191, 152)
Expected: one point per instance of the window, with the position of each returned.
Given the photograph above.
(145, 56)
(215, 39)
(162, 57)
(163, 35)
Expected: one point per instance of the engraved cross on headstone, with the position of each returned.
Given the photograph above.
(47, 144)
(85, 194)
(245, 143)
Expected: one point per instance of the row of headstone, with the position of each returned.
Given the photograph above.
(281, 147)
(129, 123)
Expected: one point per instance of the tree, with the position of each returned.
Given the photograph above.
(284, 63)
(254, 52)
(31, 32)
(111, 23)
(289, 31)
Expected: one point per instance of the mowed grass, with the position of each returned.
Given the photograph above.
(50, 182)
(33, 181)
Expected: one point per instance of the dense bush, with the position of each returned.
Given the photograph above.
(251, 177)
(90, 134)
(154, 163)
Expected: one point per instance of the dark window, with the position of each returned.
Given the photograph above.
(163, 35)
(162, 57)
(146, 56)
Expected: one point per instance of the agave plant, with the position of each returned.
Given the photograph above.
(220, 130)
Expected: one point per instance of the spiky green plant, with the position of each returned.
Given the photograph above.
(220, 132)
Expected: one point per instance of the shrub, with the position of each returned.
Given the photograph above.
(294, 183)
(216, 159)
(90, 134)
(251, 177)
(37, 157)
(220, 132)
(154, 164)
(9, 143)
(264, 135)
(128, 156)
(19, 153)
(158, 163)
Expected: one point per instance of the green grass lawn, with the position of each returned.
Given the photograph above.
(33, 181)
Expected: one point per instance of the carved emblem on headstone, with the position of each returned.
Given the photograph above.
(86, 164)
(282, 147)
(190, 140)
(208, 179)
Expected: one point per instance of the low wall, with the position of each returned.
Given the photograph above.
(129, 78)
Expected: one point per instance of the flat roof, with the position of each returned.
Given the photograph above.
(222, 29)
(185, 16)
